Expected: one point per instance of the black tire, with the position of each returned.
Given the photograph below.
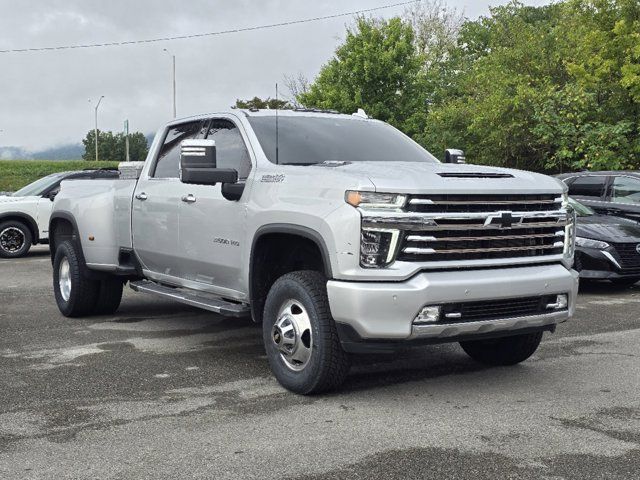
(328, 364)
(109, 296)
(503, 351)
(15, 239)
(83, 293)
(625, 282)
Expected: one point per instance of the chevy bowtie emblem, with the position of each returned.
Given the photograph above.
(504, 219)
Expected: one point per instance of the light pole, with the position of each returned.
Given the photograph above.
(173, 78)
(96, 128)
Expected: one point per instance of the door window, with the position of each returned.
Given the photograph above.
(168, 163)
(625, 190)
(588, 186)
(231, 152)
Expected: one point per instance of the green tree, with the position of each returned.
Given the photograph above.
(268, 103)
(112, 147)
(377, 68)
(545, 88)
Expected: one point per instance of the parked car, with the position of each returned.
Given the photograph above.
(338, 233)
(607, 247)
(610, 193)
(24, 215)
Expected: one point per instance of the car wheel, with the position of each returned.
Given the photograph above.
(109, 296)
(504, 350)
(15, 239)
(300, 335)
(625, 282)
(76, 294)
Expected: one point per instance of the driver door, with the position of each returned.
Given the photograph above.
(212, 228)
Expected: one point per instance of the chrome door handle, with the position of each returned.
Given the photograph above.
(189, 198)
(141, 196)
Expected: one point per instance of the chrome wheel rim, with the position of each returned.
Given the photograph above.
(12, 239)
(64, 279)
(292, 335)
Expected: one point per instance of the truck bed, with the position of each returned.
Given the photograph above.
(106, 204)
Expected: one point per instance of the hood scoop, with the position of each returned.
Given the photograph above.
(474, 175)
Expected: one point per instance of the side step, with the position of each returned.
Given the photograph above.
(200, 300)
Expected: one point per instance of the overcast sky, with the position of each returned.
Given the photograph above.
(44, 95)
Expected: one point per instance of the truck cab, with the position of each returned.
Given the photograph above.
(338, 233)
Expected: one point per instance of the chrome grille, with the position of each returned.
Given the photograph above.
(442, 228)
(483, 203)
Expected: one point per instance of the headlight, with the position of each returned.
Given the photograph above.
(589, 243)
(374, 200)
(378, 247)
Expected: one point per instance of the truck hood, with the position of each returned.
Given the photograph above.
(442, 178)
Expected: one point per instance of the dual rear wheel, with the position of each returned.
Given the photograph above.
(78, 294)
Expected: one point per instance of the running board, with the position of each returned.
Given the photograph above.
(200, 300)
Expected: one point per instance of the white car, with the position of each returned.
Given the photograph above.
(24, 215)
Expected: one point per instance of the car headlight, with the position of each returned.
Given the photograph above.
(590, 243)
(373, 200)
(378, 247)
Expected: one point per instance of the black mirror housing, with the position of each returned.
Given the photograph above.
(209, 176)
(453, 155)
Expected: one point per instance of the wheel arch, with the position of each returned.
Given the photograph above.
(26, 219)
(62, 226)
(300, 238)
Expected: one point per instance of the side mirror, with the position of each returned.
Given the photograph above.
(52, 194)
(453, 155)
(198, 164)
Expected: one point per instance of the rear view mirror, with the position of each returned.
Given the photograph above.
(198, 162)
(453, 155)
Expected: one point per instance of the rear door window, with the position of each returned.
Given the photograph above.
(625, 190)
(588, 186)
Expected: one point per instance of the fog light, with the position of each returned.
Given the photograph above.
(429, 314)
(562, 301)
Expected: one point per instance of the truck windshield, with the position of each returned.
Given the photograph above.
(311, 140)
(40, 186)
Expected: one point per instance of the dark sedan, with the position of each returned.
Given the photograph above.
(607, 247)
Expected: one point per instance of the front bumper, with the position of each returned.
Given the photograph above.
(386, 311)
(602, 265)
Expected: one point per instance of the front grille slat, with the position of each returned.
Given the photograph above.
(458, 227)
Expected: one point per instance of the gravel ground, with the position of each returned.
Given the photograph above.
(161, 390)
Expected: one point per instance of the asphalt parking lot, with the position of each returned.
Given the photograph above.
(161, 390)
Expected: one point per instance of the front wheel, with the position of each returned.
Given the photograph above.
(300, 335)
(75, 293)
(503, 351)
(15, 239)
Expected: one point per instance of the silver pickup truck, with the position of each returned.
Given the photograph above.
(338, 233)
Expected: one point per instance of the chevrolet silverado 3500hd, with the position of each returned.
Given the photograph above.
(338, 233)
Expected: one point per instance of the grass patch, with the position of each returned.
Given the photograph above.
(15, 174)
